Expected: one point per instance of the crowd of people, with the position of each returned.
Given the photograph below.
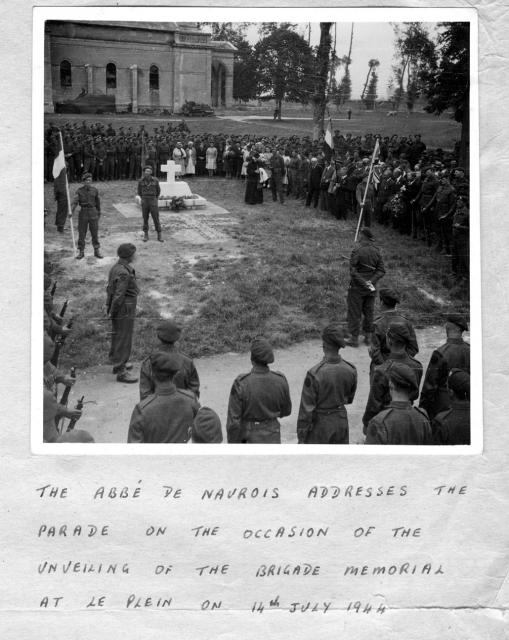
(418, 191)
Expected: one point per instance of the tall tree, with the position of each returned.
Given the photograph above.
(447, 84)
(371, 92)
(345, 86)
(285, 67)
(372, 64)
(323, 59)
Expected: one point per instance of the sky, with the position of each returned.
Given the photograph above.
(370, 40)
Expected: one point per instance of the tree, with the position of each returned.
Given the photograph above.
(345, 86)
(447, 85)
(285, 67)
(372, 64)
(371, 95)
(323, 59)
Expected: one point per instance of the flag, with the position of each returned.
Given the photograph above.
(376, 151)
(328, 135)
(59, 171)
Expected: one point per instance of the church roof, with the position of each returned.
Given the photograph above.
(150, 26)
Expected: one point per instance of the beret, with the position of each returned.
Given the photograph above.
(261, 351)
(399, 332)
(402, 376)
(85, 176)
(163, 362)
(458, 320)
(168, 331)
(126, 250)
(207, 427)
(333, 334)
(147, 166)
(389, 295)
(459, 382)
(366, 231)
(48, 348)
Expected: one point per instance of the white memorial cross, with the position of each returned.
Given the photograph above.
(170, 169)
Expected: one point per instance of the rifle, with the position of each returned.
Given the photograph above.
(73, 421)
(65, 395)
(59, 343)
(53, 289)
(64, 309)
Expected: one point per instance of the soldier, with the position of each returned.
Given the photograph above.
(366, 268)
(257, 400)
(454, 354)
(453, 426)
(168, 333)
(110, 161)
(277, 168)
(379, 350)
(167, 415)
(400, 422)
(398, 338)
(89, 155)
(122, 294)
(87, 197)
(134, 159)
(149, 190)
(328, 386)
(461, 239)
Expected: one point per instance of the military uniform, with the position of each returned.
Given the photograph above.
(165, 416)
(149, 191)
(379, 395)
(87, 197)
(322, 415)
(453, 426)
(366, 264)
(454, 354)
(122, 294)
(257, 400)
(400, 423)
(379, 350)
(185, 378)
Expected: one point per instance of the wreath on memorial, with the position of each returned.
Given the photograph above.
(177, 203)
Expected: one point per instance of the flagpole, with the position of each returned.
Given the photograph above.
(366, 190)
(69, 212)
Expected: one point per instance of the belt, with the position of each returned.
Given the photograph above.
(331, 410)
(257, 422)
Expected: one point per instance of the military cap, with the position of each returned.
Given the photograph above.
(147, 166)
(86, 176)
(402, 375)
(333, 334)
(207, 427)
(458, 320)
(388, 295)
(126, 250)
(261, 351)
(48, 348)
(367, 233)
(168, 331)
(163, 362)
(459, 382)
(399, 332)
(76, 435)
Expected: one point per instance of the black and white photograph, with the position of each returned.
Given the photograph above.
(258, 232)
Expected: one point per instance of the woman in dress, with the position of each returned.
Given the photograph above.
(211, 159)
(190, 159)
(254, 192)
(179, 157)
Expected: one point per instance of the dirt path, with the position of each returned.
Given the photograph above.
(107, 418)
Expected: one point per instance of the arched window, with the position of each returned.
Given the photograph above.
(154, 78)
(65, 74)
(111, 76)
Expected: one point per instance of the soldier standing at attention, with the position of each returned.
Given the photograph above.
(149, 190)
(328, 386)
(453, 426)
(400, 422)
(168, 333)
(257, 400)
(366, 268)
(122, 294)
(166, 415)
(454, 354)
(87, 197)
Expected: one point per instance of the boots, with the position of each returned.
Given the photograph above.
(159, 237)
(81, 254)
(145, 236)
(127, 377)
(98, 254)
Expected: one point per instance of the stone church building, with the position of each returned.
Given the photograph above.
(144, 65)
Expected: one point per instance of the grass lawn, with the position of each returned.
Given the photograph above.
(286, 276)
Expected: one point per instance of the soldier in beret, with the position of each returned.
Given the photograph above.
(257, 400)
(167, 415)
(366, 268)
(206, 427)
(379, 351)
(168, 333)
(454, 354)
(398, 338)
(149, 190)
(328, 386)
(122, 293)
(87, 197)
(400, 422)
(453, 425)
